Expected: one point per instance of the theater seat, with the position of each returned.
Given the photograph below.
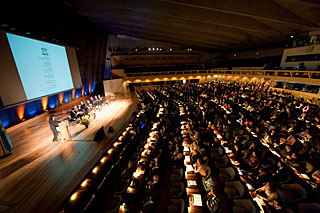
(220, 161)
(226, 174)
(177, 175)
(308, 207)
(234, 189)
(176, 190)
(293, 193)
(243, 205)
(114, 204)
(176, 206)
(216, 152)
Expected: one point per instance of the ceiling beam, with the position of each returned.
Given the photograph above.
(186, 42)
(157, 8)
(186, 26)
(178, 31)
(243, 8)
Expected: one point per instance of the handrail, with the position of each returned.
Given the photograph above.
(259, 73)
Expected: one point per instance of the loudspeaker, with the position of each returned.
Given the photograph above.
(110, 130)
(99, 135)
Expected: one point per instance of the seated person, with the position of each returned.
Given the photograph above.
(281, 174)
(127, 173)
(195, 155)
(280, 145)
(149, 206)
(176, 151)
(195, 146)
(262, 177)
(200, 168)
(253, 160)
(208, 185)
(177, 162)
(291, 139)
(269, 194)
(73, 114)
(153, 186)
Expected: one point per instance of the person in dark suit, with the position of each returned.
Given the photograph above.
(53, 127)
(73, 114)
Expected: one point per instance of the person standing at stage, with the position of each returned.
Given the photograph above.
(53, 126)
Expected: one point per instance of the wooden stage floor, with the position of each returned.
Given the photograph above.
(40, 174)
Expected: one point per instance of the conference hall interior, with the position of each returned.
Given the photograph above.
(156, 106)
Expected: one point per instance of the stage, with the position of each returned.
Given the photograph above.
(40, 174)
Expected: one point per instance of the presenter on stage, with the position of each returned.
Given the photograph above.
(53, 126)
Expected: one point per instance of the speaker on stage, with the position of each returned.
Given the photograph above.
(99, 135)
(110, 130)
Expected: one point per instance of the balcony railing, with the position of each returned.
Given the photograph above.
(253, 73)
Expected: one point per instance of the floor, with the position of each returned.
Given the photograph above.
(40, 174)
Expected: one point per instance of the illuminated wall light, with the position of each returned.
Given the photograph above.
(20, 111)
(73, 93)
(153, 49)
(235, 55)
(149, 49)
(170, 49)
(84, 183)
(95, 170)
(60, 98)
(103, 159)
(31, 109)
(74, 196)
(157, 48)
(109, 151)
(93, 87)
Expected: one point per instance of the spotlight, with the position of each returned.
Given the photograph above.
(136, 50)
(157, 48)
(257, 53)
(160, 49)
(170, 49)
(291, 36)
(190, 49)
(235, 54)
(149, 49)
(152, 48)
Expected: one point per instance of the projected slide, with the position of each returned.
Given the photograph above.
(43, 67)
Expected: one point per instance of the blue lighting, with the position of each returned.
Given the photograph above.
(78, 93)
(53, 101)
(32, 108)
(93, 87)
(4, 117)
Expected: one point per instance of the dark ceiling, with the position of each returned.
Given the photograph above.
(210, 25)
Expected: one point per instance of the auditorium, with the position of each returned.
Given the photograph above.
(160, 106)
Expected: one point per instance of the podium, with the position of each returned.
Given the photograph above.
(64, 130)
